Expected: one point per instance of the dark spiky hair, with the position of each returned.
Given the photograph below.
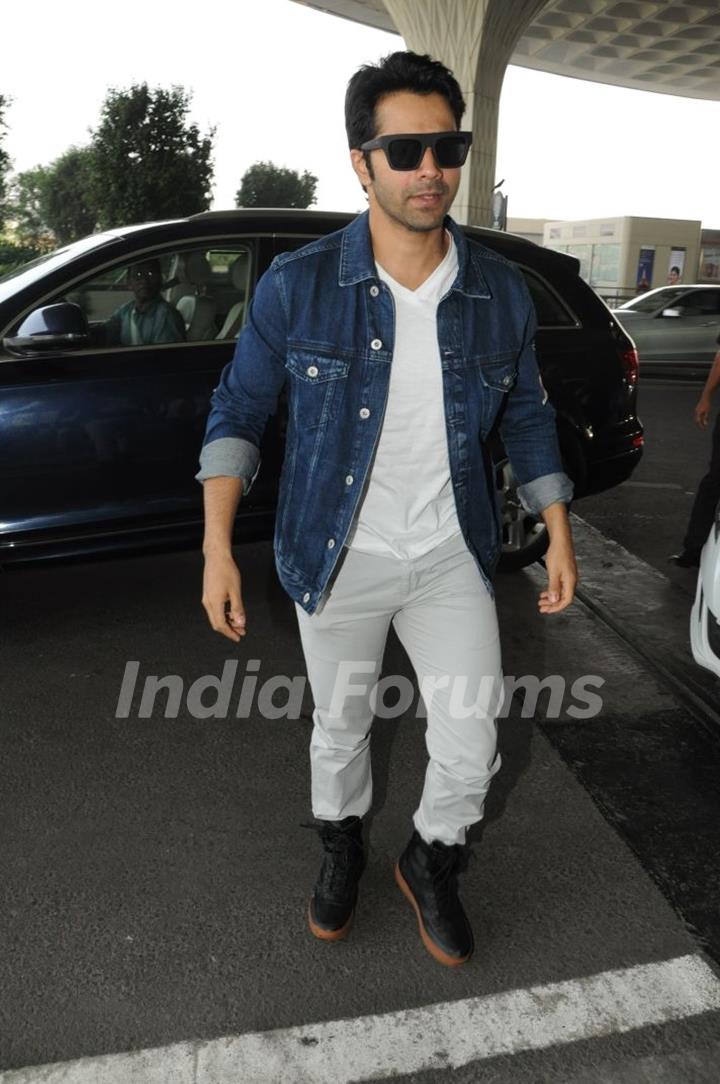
(419, 74)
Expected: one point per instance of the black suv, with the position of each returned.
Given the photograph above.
(99, 440)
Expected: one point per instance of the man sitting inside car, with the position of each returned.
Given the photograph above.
(149, 318)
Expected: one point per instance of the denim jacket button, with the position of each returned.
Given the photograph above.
(376, 344)
(312, 370)
(331, 543)
(374, 291)
(364, 412)
(349, 480)
(306, 596)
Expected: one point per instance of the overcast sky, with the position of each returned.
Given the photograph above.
(271, 76)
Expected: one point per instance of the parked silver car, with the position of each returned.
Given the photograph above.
(705, 616)
(674, 328)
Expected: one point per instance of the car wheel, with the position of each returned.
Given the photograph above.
(524, 536)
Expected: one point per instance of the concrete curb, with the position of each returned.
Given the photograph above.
(648, 613)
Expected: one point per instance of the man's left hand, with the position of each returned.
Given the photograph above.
(562, 577)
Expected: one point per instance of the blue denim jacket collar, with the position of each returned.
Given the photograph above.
(357, 262)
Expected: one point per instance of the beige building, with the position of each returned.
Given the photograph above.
(531, 228)
(628, 255)
(710, 257)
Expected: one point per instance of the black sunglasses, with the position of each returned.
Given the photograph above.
(406, 151)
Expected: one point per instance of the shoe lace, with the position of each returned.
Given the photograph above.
(343, 853)
(445, 875)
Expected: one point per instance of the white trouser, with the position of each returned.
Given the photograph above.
(445, 619)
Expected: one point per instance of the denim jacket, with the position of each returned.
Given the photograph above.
(322, 320)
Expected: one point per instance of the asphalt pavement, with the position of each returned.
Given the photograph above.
(156, 872)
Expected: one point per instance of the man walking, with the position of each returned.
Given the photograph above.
(403, 343)
(707, 497)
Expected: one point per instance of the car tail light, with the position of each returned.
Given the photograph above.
(631, 365)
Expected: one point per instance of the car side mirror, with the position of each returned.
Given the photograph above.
(673, 312)
(62, 326)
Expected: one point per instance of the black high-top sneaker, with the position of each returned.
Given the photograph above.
(332, 905)
(427, 874)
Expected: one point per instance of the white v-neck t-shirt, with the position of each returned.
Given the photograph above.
(409, 508)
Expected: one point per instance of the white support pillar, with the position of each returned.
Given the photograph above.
(475, 39)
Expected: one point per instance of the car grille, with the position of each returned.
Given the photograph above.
(713, 633)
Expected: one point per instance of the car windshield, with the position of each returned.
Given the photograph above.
(35, 262)
(27, 273)
(654, 300)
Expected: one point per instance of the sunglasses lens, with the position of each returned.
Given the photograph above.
(451, 152)
(404, 153)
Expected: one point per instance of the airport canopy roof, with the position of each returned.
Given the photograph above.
(666, 47)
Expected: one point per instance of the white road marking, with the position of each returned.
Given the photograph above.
(438, 1037)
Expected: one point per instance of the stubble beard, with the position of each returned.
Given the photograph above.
(415, 222)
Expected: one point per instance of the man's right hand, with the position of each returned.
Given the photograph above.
(702, 411)
(221, 582)
(221, 586)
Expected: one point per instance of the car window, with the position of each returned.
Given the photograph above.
(699, 302)
(193, 294)
(28, 273)
(551, 310)
(653, 301)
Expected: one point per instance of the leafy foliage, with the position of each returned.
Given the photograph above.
(27, 190)
(54, 204)
(149, 162)
(266, 185)
(14, 255)
(68, 196)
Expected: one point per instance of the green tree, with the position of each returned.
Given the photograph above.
(266, 185)
(68, 195)
(56, 201)
(26, 205)
(4, 161)
(13, 255)
(149, 161)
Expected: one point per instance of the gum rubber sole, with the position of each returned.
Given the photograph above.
(329, 935)
(435, 951)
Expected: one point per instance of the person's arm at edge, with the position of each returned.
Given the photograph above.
(230, 457)
(559, 561)
(704, 403)
(221, 497)
(544, 492)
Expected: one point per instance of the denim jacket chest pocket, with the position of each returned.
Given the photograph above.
(316, 387)
(498, 375)
(499, 371)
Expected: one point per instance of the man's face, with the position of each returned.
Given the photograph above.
(420, 198)
(145, 281)
(673, 277)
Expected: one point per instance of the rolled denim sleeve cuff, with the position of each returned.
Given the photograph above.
(539, 494)
(230, 457)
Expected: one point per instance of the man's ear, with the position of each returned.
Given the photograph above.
(359, 164)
